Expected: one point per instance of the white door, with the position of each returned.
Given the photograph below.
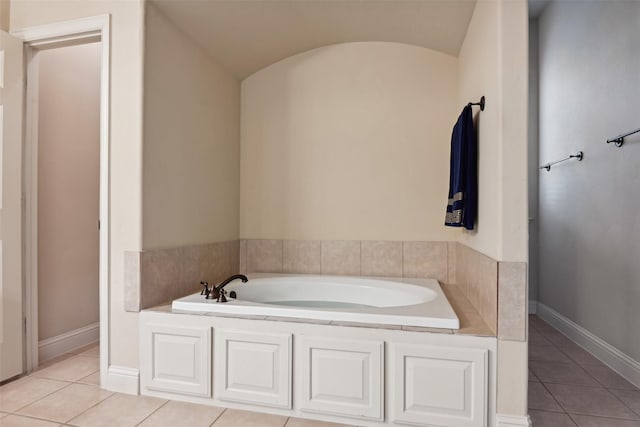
(11, 306)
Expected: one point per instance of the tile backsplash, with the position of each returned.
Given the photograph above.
(496, 290)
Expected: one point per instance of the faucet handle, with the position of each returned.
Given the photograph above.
(205, 288)
(222, 297)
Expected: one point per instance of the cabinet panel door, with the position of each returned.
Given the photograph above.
(180, 359)
(439, 386)
(342, 377)
(253, 368)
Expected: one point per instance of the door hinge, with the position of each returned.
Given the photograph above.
(98, 224)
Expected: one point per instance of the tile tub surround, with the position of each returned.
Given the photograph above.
(569, 387)
(483, 280)
(156, 276)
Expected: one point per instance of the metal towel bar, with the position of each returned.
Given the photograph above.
(578, 156)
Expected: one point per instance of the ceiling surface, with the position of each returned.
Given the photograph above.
(248, 35)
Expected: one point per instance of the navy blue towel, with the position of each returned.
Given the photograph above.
(463, 174)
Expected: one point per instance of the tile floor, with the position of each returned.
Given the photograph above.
(65, 392)
(568, 387)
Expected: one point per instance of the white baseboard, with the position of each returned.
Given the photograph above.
(533, 307)
(513, 420)
(608, 354)
(64, 343)
(121, 379)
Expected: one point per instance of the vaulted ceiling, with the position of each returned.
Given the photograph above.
(248, 35)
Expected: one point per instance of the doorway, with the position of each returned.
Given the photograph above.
(66, 94)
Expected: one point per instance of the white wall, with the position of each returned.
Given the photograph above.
(349, 141)
(68, 188)
(126, 143)
(589, 222)
(191, 156)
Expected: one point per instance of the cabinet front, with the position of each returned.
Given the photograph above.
(341, 377)
(439, 386)
(180, 359)
(253, 368)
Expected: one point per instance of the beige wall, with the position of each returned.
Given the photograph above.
(68, 188)
(493, 62)
(349, 141)
(191, 154)
(125, 139)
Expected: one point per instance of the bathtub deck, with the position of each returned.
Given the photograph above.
(471, 323)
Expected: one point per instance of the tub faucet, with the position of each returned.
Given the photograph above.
(218, 293)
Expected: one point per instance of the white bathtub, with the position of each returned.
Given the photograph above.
(407, 302)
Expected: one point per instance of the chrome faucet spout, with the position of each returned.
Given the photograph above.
(218, 293)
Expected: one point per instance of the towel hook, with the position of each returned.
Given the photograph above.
(481, 103)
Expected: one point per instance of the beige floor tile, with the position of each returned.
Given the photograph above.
(46, 363)
(20, 421)
(85, 348)
(67, 403)
(590, 401)
(181, 413)
(547, 354)
(93, 351)
(24, 391)
(302, 422)
(588, 421)
(122, 410)
(550, 419)
(609, 378)
(3, 414)
(532, 377)
(93, 379)
(540, 398)
(556, 338)
(71, 369)
(562, 373)
(236, 418)
(536, 338)
(631, 398)
(579, 355)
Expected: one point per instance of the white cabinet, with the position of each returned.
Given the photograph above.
(341, 377)
(253, 368)
(435, 385)
(176, 359)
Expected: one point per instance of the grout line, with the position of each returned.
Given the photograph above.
(218, 417)
(42, 397)
(286, 422)
(152, 412)
(91, 407)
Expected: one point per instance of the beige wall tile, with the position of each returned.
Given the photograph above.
(512, 298)
(160, 276)
(301, 256)
(340, 257)
(381, 258)
(243, 256)
(132, 281)
(452, 263)
(264, 256)
(425, 260)
(477, 277)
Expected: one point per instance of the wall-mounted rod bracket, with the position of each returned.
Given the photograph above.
(619, 140)
(481, 103)
(579, 156)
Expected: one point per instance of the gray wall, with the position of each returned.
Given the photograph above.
(589, 68)
(534, 264)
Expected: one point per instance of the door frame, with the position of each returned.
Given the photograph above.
(59, 34)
